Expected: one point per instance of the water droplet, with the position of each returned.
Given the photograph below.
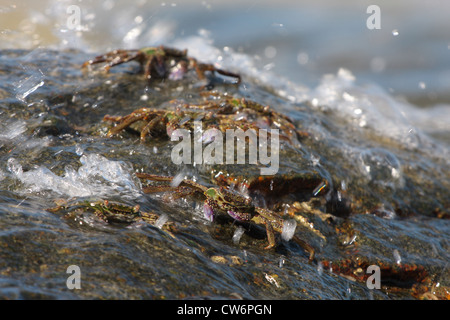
(244, 253)
(279, 25)
(108, 4)
(320, 268)
(282, 261)
(27, 86)
(161, 221)
(14, 167)
(378, 64)
(397, 257)
(179, 177)
(381, 167)
(395, 32)
(271, 280)
(319, 188)
(348, 97)
(270, 52)
(288, 231)
(238, 234)
(315, 161)
(362, 123)
(269, 66)
(302, 58)
(132, 35)
(79, 150)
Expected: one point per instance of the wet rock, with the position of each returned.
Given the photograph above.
(379, 196)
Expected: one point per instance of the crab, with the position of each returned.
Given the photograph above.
(112, 212)
(223, 200)
(229, 113)
(310, 183)
(160, 63)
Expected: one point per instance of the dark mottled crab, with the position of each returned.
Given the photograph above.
(293, 193)
(160, 63)
(112, 212)
(310, 183)
(223, 114)
(223, 200)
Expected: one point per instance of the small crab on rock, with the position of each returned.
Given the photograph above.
(160, 63)
(224, 200)
(223, 114)
(112, 212)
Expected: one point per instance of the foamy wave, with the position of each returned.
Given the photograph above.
(97, 176)
(363, 106)
(202, 48)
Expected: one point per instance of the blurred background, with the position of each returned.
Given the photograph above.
(296, 40)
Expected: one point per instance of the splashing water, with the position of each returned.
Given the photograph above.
(97, 176)
(289, 227)
(161, 221)
(382, 167)
(238, 234)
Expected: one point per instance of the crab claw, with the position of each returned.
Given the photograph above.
(208, 212)
(234, 215)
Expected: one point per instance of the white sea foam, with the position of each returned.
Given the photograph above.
(13, 136)
(202, 48)
(97, 176)
(12, 130)
(362, 106)
(365, 106)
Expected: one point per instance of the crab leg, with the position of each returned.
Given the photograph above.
(153, 177)
(155, 189)
(113, 59)
(270, 234)
(185, 182)
(126, 121)
(229, 74)
(149, 126)
(306, 247)
(155, 63)
(267, 218)
(200, 68)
